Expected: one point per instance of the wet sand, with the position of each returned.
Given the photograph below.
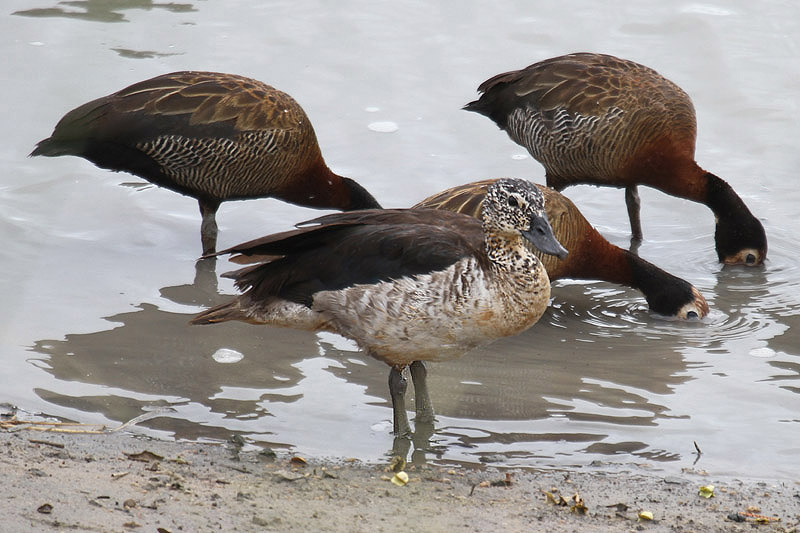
(122, 482)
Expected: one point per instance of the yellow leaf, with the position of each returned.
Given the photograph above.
(645, 515)
(400, 479)
(707, 491)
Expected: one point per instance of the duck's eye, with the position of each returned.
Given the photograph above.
(512, 201)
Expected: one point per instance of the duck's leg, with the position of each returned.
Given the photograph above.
(419, 375)
(208, 226)
(633, 203)
(397, 390)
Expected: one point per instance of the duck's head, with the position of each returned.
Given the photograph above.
(516, 206)
(740, 241)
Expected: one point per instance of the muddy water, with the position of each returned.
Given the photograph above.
(100, 274)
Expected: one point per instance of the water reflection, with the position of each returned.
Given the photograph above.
(156, 353)
(102, 10)
(152, 357)
(142, 54)
(598, 377)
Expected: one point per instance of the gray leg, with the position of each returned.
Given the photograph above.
(397, 390)
(419, 375)
(208, 227)
(633, 203)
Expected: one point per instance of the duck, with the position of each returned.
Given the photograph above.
(591, 256)
(407, 285)
(598, 119)
(211, 136)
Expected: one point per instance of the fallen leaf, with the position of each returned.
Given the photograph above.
(580, 505)
(400, 479)
(707, 491)
(298, 461)
(144, 457)
(645, 515)
(45, 508)
(554, 498)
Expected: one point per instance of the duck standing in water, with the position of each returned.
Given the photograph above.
(591, 256)
(208, 135)
(407, 285)
(601, 120)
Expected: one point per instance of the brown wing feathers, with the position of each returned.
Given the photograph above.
(363, 250)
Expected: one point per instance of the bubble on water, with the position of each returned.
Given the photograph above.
(226, 355)
(384, 127)
(519, 157)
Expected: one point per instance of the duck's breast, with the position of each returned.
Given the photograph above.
(432, 317)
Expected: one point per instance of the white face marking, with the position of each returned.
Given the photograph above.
(747, 257)
(510, 205)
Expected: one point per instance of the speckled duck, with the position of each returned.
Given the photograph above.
(408, 285)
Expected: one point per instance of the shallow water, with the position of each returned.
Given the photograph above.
(101, 279)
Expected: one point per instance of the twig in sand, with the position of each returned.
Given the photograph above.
(698, 452)
(46, 442)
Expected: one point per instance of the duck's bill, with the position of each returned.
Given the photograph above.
(541, 236)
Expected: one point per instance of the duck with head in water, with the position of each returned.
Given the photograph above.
(591, 256)
(407, 285)
(601, 120)
(209, 135)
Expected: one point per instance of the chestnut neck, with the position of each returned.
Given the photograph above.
(723, 200)
(597, 258)
(318, 186)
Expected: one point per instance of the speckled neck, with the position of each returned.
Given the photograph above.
(508, 252)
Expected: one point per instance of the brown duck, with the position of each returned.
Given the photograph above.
(408, 285)
(597, 119)
(591, 256)
(211, 136)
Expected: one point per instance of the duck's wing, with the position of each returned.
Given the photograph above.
(356, 249)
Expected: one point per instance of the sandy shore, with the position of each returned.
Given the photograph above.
(120, 482)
